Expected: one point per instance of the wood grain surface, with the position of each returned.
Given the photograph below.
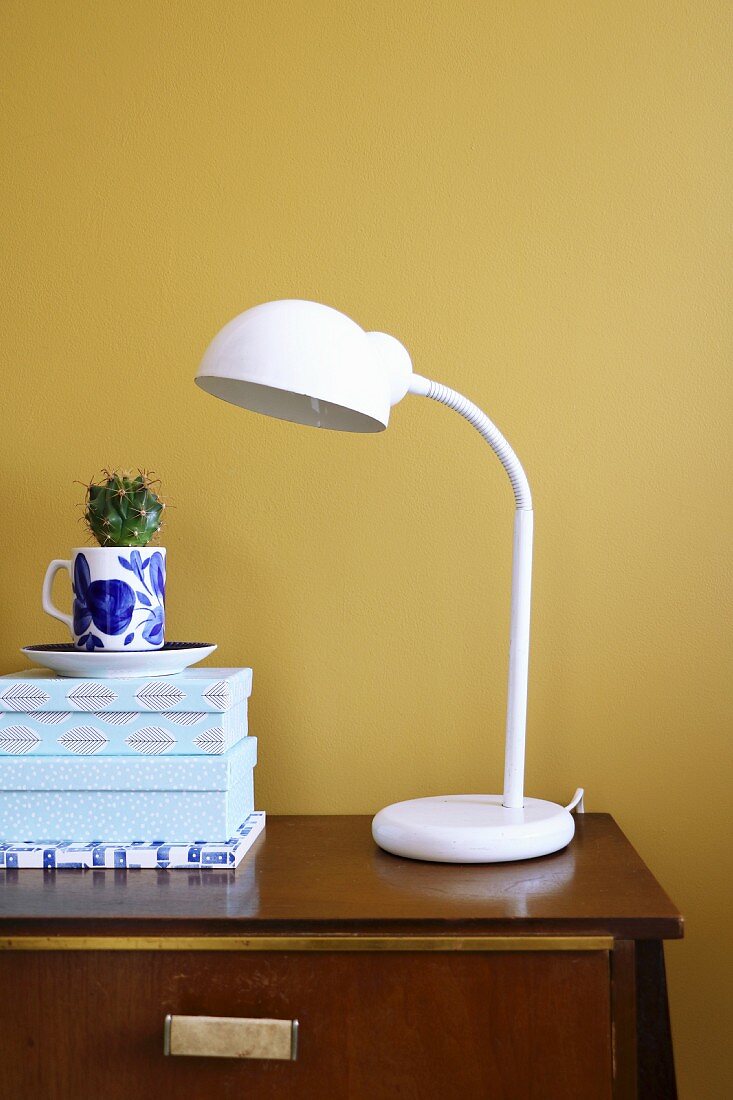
(84, 1026)
(326, 873)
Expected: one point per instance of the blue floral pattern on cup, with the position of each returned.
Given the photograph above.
(153, 599)
(113, 606)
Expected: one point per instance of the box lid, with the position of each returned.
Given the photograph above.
(125, 773)
(38, 689)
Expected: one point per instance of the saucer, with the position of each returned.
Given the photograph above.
(65, 660)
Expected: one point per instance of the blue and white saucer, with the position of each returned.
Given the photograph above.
(65, 660)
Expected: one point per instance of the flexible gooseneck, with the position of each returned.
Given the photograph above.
(516, 714)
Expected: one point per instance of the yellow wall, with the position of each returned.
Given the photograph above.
(533, 197)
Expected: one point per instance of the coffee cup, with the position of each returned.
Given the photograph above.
(118, 597)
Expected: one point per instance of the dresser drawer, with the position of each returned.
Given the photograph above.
(373, 1025)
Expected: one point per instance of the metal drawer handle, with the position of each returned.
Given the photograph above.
(230, 1037)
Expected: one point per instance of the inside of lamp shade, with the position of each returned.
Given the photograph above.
(298, 408)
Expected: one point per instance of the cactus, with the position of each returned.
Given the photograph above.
(122, 510)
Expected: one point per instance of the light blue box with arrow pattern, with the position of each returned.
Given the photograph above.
(199, 712)
(122, 733)
(197, 689)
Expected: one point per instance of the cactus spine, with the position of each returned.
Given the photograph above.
(122, 509)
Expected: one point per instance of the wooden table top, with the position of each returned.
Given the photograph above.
(324, 873)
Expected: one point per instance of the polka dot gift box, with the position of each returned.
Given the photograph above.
(125, 799)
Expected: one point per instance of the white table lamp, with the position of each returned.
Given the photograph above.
(310, 364)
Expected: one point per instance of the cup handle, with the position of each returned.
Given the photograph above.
(48, 605)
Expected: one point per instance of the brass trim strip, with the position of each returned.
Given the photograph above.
(326, 942)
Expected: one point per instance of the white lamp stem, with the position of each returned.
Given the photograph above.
(516, 714)
(516, 707)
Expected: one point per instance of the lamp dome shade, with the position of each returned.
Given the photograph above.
(307, 363)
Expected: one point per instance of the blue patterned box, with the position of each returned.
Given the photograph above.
(124, 798)
(122, 733)
(197, 689)
(155, 854)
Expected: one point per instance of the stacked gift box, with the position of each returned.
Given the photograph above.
(126, 773)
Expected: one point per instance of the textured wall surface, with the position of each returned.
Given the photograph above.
(533, 197)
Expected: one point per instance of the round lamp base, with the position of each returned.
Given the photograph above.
(472, 828)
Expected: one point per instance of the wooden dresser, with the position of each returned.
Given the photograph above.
(541, 979)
